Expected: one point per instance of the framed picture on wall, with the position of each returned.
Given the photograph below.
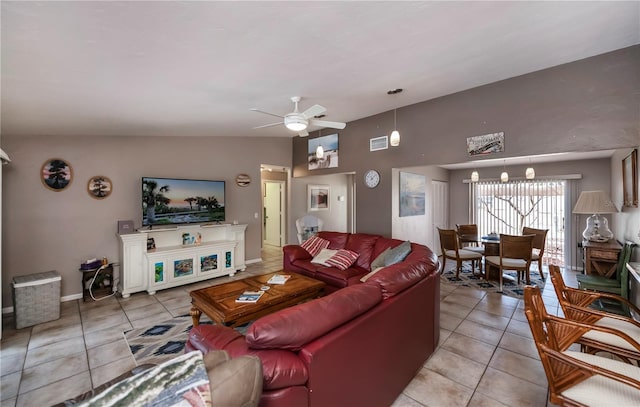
(318, 197)
(412, 194)
(99, 187)
(56, 174)
(630, 179)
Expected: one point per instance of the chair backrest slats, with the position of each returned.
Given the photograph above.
(448, 239)
(516, 247)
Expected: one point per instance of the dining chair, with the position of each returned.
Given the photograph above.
(451, 250)
(585, 307)
(467, 235)
(539, 242)
(577, 378)
(618, 285)
(515, 254)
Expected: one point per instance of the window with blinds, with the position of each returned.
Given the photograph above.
(507, 207)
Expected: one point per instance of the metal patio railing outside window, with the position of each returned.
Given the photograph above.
(508, 207)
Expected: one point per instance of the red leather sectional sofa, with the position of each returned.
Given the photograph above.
(358, 346)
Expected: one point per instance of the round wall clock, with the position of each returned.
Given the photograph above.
(372, 178)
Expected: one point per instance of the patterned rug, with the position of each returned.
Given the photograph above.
(509, 286)
(164, 340)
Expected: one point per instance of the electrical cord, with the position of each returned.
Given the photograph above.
(104, 266)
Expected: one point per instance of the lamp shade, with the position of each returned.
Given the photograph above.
(475, 177)
(504, 177)
(592, 202)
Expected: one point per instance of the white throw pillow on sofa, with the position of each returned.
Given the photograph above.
(323, 256)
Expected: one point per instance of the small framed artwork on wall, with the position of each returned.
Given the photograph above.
(56, 174)
(318, 197)
(99, 187)
(630, 179)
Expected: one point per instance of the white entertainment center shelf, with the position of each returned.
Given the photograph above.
(171, 264)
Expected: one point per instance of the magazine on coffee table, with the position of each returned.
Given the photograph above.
(250, 296)
(279, 279)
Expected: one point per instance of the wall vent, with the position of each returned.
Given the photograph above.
(379, 143)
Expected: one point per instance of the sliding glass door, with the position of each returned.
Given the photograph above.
(507, 207)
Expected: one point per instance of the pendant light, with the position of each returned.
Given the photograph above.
(504, 177)
(319, 149)
(475, 177)
(394, 140)
(530, 173)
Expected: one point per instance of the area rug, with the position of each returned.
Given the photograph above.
(163, 340)
(509, 282)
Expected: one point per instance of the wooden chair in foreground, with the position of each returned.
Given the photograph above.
(582, 306)
(539, 242)
(515, 254)
(451, 250)
(576, 378)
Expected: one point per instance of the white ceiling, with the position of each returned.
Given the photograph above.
(196, 68)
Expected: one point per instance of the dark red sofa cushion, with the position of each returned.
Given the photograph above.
(362, 244)
(337, 240)
(294, 327)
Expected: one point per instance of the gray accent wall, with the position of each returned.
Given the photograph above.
(587, 105)
(46, 230)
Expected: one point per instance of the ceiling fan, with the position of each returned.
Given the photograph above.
(299, 121)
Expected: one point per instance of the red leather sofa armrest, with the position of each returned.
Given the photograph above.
(293, 252)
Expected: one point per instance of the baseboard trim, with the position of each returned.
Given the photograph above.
(252, 261)
(9, 310)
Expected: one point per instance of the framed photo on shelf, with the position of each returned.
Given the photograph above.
(630, 180)
(318, 197)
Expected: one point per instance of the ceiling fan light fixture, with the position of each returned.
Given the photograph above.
(295, 123)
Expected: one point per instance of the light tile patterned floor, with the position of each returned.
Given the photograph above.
(486, 356)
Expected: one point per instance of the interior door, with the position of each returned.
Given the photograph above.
(273, 212)
(440, 211)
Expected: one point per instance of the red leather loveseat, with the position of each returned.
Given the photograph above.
(368, 247)
(358, 346)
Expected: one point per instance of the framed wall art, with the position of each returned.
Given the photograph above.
(329, 157)
(99, 187)
(630, 179)
(485, 144)
(318, 197)
(412, 194)
(56, 174)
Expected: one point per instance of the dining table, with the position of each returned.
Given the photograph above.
(491, 246)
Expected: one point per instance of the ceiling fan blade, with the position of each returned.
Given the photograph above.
(268, 125)
(303, 133)
(313, 111)
(262, 111)
(324, 123)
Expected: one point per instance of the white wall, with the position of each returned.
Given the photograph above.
(418, 229)
(336, 218)
(625, 224)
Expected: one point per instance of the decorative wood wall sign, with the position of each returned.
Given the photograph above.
(99, 187)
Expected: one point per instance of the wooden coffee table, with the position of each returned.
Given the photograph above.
(219, 302)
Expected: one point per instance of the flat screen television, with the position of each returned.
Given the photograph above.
(170, 201)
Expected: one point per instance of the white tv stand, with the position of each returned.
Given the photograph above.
(171, 264)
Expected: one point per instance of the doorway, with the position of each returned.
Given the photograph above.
(273, 212)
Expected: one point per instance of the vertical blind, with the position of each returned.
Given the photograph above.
(507, 207)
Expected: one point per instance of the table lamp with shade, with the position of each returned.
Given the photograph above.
(595, 203)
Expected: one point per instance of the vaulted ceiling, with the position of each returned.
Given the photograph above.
(196, 68)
